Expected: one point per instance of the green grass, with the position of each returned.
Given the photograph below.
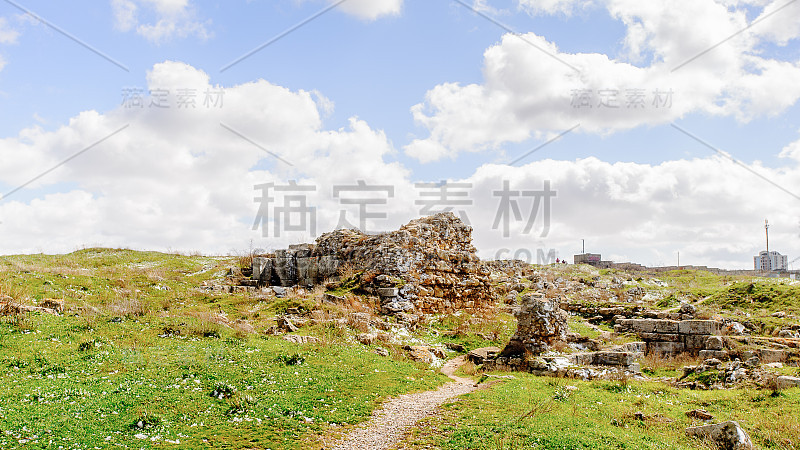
(530, 412)
(78, 385)
(141, 342)
(769, 295)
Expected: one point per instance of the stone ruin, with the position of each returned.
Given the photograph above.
(542, 326)
(541, 323)
(428, 266)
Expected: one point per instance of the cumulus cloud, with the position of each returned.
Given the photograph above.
(533, 89)
(175, 178)
(163, 19)
(371, 9)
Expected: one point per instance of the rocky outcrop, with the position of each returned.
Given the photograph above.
(427, 266)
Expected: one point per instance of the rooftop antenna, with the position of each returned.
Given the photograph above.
(766, 227)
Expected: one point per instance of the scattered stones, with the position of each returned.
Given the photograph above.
(727, 435)
(297, 339)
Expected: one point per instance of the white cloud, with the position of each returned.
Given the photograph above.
(372, 9)
(177, 179)
(778, 22)
(566, 7)
(531, 88)
(7, 34)
(164, 19)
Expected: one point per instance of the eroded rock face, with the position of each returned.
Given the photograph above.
(427, 266)
(541, 323)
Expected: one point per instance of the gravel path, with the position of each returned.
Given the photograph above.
(391, 422)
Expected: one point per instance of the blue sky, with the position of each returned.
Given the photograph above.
(449, 94)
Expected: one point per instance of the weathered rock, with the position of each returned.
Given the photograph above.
(687, 308)
(455, 347)
(540, 324)
(753, 361)
(482, 355)
(286, 325)
(769, 355)
(421, 354)
(727, 435)
(706, 327)
(787, 382)
(714, 343)
(714, 354)
(54, 304)
(366, 338)
(665, 349)
(700, 414)
(381, 351)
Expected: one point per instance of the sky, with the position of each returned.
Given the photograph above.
(644, 129)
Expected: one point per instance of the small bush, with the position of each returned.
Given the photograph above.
(294, 359)
(223, 390)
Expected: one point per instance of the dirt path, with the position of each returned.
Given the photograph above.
(391, 422)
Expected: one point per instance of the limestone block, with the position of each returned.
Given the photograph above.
(706, 327)
(768, 355)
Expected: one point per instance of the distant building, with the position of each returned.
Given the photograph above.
(771, 261)
(587, 258)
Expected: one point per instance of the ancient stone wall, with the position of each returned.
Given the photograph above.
(672, 337)
(427, 266)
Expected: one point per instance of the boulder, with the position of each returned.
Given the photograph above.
(727, 435)
(421, 354)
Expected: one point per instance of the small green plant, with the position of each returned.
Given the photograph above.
(294, 359)
(223, 391)
(146, 421)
